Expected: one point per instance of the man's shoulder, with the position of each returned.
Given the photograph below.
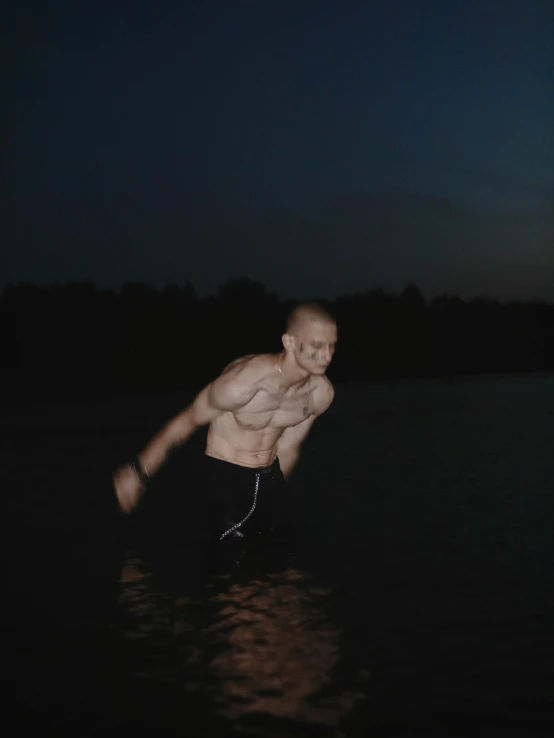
(322, 383)
(251, 368)
(324, 393)
(238, 382)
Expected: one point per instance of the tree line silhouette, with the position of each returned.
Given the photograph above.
(79, 340)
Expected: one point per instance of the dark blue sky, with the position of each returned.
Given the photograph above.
(322, 147)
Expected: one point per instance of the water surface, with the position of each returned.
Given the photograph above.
(415, 598)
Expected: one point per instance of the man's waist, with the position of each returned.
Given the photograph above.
(240, 466)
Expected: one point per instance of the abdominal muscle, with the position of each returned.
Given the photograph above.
(251, 447)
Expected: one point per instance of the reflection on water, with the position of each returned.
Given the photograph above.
(432, 527)
(259, 645)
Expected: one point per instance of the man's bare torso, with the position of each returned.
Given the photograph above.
(249, 436)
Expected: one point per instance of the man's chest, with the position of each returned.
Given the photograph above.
(274, 410)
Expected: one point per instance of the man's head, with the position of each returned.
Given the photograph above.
(311, 337)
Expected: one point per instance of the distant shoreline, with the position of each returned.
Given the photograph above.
(136, 409)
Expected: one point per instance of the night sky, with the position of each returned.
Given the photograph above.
(320, 147)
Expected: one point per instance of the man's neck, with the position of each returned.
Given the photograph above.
(290, 373)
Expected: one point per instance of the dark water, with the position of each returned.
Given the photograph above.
(415, 598)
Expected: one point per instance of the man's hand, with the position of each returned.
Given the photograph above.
(231, 390)
(128, 488)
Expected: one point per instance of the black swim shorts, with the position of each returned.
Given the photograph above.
(242, 501)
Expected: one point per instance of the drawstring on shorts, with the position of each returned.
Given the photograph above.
(237, 525)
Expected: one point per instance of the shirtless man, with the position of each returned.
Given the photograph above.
(259, 411)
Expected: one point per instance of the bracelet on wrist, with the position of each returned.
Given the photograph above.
(140, 472)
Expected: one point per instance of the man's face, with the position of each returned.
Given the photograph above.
(315, 346)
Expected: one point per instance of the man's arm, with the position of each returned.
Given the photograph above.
(288, 446)
(227, 393)
(290, 443)
(230, 391)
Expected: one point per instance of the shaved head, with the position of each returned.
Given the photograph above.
(310, 338)
(305, 314)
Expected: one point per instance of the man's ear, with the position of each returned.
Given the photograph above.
(288, 341)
